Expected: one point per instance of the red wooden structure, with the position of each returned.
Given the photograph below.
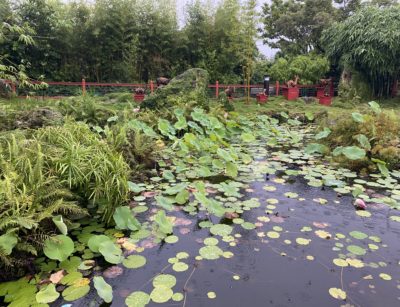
(138, 97)
(291, 93)
(261, 98)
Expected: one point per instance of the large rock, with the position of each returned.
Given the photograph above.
(38, 118)
(192, 85)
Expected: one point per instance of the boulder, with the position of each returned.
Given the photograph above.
(192, 85)
(38, 118)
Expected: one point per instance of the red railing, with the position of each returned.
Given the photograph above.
(83, 87)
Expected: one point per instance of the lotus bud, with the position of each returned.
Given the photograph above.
(360, 204)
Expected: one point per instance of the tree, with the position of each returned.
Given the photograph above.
(295, 26)
(368, 42)
(249, 32)
(310, 68)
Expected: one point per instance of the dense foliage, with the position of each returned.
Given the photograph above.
(368, 42)
(127, 41)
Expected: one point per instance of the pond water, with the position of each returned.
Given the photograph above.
(291, 244)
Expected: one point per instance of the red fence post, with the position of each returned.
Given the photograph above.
(216, 89)
(151, 86)
(277, 88)
(83, 87)
(395, 88)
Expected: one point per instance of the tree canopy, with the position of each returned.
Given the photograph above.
(368, 42)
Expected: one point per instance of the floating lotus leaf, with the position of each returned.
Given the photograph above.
(363, 213)
(210, 252)
(248, 226)
(182, 255)
(58, 247)
(221, 230)
(134, 261)
(385, 276)
(337, 293)
(73, 293)
(177, 297)
(104, 290)
(164, 280)
(180, 267)
(111, 252)
(171, 239)
(161, 294)
(340, 262)
(211, 295)
(303, 241)
(355, 263)
(137, 299)
(124, 219)
(358, 235)
(47, 294)
(210, 241)
(356, 250)
(273, 234)
(95, 241)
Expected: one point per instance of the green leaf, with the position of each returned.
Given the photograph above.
(165, 127)
(73, 293)
(8, 242)
(248, 137)
(133, 187)
(124, 219)
(47, 294)
(363, 140)
(323, 134)
(164, 202)
(104, 290)
(316, 148)
(376, 108)
(357, 117)
(111, 252)
(137, 299)
(163, 223)
(134, 261)
(353, 152)
(95, 241)
(182, 197)
(58, 221)
(231, 169)
(58, 248)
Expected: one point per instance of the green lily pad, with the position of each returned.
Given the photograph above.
(161, 294)
(73, 293)
(180, 267)
(137, 299)
(104, 290)
(95, 241)
(164, 280)
(356, 250)
(210, 241)
(111, 252)
(221, 230)
(47, 294)
(358, 235)
(210, 252)
(58, 247)
(134, 261)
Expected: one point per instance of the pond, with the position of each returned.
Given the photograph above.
(288, 240)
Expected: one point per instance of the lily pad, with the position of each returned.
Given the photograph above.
(104, 290)
(47, 294)
(210, 252)
(161, 294)
(356, 250)
(134, 261)
(137, 299)
(58, 247)
(221, 230)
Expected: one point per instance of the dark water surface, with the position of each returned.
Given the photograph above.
(272, 272)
